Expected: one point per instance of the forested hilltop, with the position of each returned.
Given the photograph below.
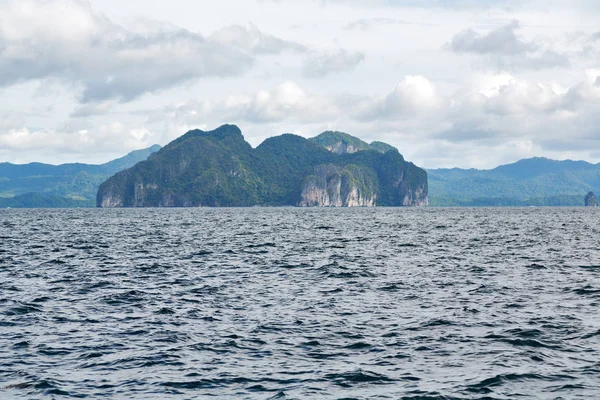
(529, 182)
(219, 168)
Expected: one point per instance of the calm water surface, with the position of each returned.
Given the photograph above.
(300, 303)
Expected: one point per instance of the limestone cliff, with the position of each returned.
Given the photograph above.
(416, 198)
(334, 186)
(343, 143)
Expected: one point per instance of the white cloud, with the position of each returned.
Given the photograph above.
(523, 97)
(285, 102)
(69, 70)
(110, 138)
(414, 95)
(498, 114)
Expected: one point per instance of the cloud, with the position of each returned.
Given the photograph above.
(107, 61)
(289, 102)
(520, 116)
(505, 113)
(10, 121)
(285, 102)
(451, 4)
(523, 97)
(323, 64)
(369, 23)
(112, 137)
(460, 134)
(414, 95)
(504, 49)
(549, 117)
(584, 93)
(414, 102)
(253, 40)
(500, 41)
(92, 109)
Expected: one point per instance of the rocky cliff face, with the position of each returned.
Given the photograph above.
(342, 143)
(416, 198)
(333, 186)
(341, 148)
(110, 200)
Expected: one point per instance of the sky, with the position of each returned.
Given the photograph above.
(464, 83)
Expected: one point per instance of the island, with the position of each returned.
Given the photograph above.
(220, 169)
(591, 200)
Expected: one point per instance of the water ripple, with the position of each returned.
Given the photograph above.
(299, 303)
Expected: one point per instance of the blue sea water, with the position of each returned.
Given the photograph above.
(287, 303)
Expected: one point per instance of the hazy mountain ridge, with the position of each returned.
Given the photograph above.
(534, 181)
(65, 185)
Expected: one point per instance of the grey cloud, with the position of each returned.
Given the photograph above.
(107, 61)
(92, 109)
(10, 121)
(542, 60)
(581, 95)
(321, 65)
(499, 41)
(587, 47)
(504, 49)
(562, 144)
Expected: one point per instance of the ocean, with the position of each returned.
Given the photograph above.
(290, 303)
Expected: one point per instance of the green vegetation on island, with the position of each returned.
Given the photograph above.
(529, 182)
(342, 143)
(219, 168)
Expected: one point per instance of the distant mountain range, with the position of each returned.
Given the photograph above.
(66, 185)
(529, 182)
(219, 168)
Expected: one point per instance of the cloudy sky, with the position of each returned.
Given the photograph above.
(467, 83)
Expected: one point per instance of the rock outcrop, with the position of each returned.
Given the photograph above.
(591, 200)
(342, 143)
(416, 198)
(334, 186)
